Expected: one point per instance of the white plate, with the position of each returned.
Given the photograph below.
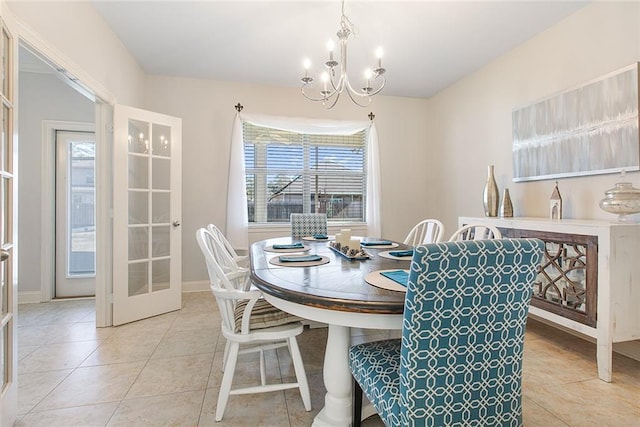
(392, 245)
(287, 251)
(386, 254)
(276, 261)
(313, 239)
(379, 281)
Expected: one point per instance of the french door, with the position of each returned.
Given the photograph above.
(8, 285)
(147, 213)
(75, 214)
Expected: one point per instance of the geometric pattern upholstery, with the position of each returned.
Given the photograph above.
(459, 361)
(303, 225)
(376, 367)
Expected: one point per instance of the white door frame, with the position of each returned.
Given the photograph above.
(47, 200)
(104, 101)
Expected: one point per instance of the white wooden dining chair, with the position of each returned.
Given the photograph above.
(426, 231)
(476, 232)
(242, 260)
(249, 324)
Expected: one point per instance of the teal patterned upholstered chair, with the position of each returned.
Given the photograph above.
(303, 225)
(459, 361)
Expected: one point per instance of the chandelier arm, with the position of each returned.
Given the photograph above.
(335, 101)
(363, 94)
(340, 86)
(377, 91)
(354, 95)
(323, 98)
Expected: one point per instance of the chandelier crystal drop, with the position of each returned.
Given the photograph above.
(332, 86)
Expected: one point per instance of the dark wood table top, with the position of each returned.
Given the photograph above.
(338, 285)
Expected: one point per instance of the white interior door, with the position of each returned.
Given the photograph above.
(147, 214)
(75, 214)
(8, 283)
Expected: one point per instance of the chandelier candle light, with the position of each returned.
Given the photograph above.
(332, 89)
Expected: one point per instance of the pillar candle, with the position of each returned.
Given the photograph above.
(345, 233)
(354, 244)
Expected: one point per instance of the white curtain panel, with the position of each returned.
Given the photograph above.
(374, 223)
(237, 216)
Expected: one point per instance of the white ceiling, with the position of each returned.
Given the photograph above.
(428, 45)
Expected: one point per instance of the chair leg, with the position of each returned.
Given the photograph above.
(301, 374)
(225, 355)
(263, 374)
(357, 404)
(227, 379)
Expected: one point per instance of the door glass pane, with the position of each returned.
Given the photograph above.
(6, 46)
(138, 207)
(160, 241)
(4, 214)
(161, 140)
(138, 137)
(81, 209)
(5, 286)
(161, 207)
(138, 172)
(6, 158)
(160, 273)
(4, 346)
(138, 243)
(138, 278)
(161, 174)
(7, 191)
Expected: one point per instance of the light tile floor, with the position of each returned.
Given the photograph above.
(166, 371)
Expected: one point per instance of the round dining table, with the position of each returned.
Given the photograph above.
(334, 293)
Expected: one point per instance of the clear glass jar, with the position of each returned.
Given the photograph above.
(623, 199)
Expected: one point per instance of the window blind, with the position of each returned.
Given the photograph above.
(288, 172)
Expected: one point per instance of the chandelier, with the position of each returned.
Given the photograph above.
(332, 86)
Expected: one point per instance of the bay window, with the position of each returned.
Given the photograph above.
(288, 172)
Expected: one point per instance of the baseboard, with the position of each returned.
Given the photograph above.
(196, 286)
(31, 297)
(629, 349)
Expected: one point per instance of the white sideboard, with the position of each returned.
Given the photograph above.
(590, 280)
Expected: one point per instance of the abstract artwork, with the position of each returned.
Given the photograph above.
(592, 129)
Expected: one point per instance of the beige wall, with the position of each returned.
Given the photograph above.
(473, 117)
(207, 112)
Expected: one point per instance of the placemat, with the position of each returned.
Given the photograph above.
(386, 254)
(373, 246)
(276, 261)
(379, 281)
(313, 239)
(287, 251)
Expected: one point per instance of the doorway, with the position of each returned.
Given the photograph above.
(48, 105)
